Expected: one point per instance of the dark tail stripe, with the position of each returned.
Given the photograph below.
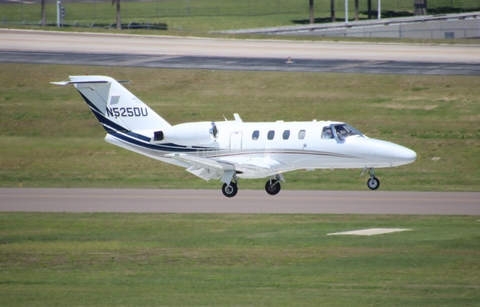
(107, 124)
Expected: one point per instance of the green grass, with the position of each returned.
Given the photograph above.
(95, 259)
(49, 138)
(206, 15)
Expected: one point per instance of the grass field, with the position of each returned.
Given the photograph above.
(55, 259)
(49, 138)
(207, 15)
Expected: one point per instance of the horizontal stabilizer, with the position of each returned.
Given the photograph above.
(63, 83)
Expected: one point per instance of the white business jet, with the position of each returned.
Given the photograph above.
(229, 150)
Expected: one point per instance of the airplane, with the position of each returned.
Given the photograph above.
(229, 150)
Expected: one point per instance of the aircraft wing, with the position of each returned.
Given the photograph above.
(209, 168)
(204, 168)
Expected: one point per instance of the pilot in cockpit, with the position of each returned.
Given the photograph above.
(327, 133)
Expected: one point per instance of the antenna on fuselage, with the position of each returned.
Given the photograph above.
(237, 118)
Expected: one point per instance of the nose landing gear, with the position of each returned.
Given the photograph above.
(373, 182)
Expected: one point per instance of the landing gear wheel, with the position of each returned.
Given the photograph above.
(229, 190)
(272, 187)
(373, 183)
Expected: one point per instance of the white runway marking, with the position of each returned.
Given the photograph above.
(369, 232)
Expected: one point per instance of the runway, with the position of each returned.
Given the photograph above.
(42, 47)
(246, 201)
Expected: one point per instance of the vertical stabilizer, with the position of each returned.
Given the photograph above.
(117, 109)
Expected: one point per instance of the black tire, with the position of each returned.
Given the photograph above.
(230, 190)
(373, 183)
(274, 188)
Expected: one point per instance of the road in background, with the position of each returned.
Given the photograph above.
(18, 46)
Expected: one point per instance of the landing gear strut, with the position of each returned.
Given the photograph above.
(373, 183)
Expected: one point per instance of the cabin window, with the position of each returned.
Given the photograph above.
(255, 135)
(301, 134)
(271, 134)
(327, 133)
(286, 134)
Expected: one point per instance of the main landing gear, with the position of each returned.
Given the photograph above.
(230, 190)
(272, 187)
(373, 182)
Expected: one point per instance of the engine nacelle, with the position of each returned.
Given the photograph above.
(189, 134)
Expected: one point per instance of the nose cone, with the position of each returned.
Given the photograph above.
(383, 153)
(403, 155)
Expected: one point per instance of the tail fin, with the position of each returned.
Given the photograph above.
(115, 107)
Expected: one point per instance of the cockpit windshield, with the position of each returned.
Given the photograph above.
(344, 131)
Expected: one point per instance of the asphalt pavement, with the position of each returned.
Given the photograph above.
(246, 201)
